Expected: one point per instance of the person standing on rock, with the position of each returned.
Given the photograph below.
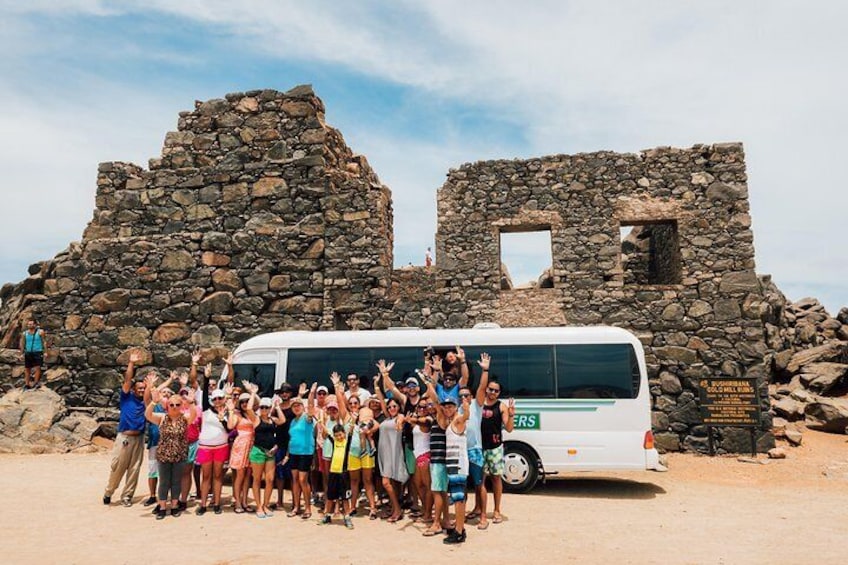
(128, 452)
(33, 342)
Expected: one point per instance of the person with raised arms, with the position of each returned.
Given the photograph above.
(453, 421)
(301, 451)
(243, 420)
(213, 449)
(128, 453)
(421, 422)
(475, 445)
(173, 447)
(262, 453)
(282, 475)
(497, 417)
(390, 454)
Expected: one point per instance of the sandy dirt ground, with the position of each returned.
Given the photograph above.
(704, 510)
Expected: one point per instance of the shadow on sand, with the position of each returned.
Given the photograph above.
(598, 487)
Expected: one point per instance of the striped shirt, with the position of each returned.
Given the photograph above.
(457, 453)
(438, 444)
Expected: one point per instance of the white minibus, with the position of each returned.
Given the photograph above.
(581, 393)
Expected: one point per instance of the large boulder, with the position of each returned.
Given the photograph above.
(827, 415)
(822, 377)
(36, 421)
(831, 351)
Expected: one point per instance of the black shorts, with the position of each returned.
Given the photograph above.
(301, 463)
(33, 359)
(338, 486)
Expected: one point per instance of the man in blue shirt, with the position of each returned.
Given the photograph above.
(450, 374)
(128, 452)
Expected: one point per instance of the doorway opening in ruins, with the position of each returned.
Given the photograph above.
(650, 253)
(526, 258)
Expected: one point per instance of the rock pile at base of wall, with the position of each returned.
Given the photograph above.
(810, 385)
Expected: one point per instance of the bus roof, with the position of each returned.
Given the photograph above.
(439, 338)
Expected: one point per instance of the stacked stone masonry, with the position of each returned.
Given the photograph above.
(257, 217)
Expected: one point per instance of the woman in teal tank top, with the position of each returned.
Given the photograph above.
(32, 348)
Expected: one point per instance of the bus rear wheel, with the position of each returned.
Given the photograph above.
(521, 468)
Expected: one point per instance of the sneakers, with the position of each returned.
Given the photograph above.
(176, 511)
(127, 502)
(160, 514)
(326, 520)
(149, 501)
(454, 537)
(107, 500)
(217, 509)
(348, 523)
(182, 505)
(201, 510)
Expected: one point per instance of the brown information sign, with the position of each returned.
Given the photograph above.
(730, 401)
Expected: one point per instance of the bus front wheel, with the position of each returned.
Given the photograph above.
(521, 468)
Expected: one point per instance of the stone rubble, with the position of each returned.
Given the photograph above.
(810, 369)
(37, 421)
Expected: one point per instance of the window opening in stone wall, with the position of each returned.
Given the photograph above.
(526, 259)
(650, 253)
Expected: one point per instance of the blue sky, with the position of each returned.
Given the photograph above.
(422, 87)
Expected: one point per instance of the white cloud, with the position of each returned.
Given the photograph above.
(579, 76)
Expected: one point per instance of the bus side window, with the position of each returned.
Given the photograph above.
(261, 374)
(597, 371)
(524, 371)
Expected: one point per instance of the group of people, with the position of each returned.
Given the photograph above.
(417, 445)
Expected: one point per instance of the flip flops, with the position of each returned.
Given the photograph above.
(497, 519)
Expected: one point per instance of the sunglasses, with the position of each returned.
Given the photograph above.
(493, 390)
(218, 399)
(322, 393)
(465, 395)
(450, 378)
(264, 407)
(175, 405)
(243, 401)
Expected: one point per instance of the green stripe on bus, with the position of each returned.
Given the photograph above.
(563, 409)
(566, 401)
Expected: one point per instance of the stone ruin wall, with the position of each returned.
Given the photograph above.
(711, 315)
(258, 217)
